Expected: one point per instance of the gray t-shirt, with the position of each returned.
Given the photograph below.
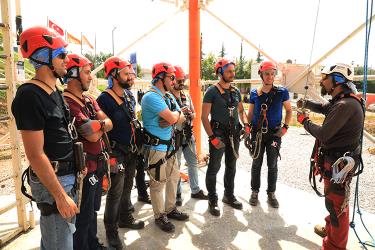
(219, 108)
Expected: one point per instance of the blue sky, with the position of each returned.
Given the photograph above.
(284, 29)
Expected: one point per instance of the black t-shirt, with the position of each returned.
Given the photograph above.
(35, 110)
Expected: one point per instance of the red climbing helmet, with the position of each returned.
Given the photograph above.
(76, 60)
(267, 65)
(222, 63)
(162, 67)
(179, 72)
(38, 37)
(114, 62)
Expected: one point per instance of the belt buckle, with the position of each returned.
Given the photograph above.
(93, 180)
(157, 140)
(55, 166)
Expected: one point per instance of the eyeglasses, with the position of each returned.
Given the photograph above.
(172, 77)
(62, 56)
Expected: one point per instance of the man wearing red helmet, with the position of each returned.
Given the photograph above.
(46, 129)
(185, 132)
(223, 102)
(91, 123)
(265, 114)
(160, 113)
(118, 104)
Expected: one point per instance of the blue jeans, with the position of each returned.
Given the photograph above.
(270, 145)
(56, 232)
(86, 223)
(191, 158)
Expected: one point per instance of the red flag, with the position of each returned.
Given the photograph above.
(55, 27)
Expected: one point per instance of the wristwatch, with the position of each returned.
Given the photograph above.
(102, 124)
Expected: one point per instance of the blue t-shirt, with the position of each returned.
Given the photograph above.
(274, 113)
(152, 104)
(121, 131)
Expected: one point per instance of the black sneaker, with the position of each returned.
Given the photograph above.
(233, 202)
(131, 223)
(177, 215)
(272, 200)
(179, 200)
(200, 195)
(254, 198)
(145, 199)
(114, 240)
(164, 224)
(213, 208)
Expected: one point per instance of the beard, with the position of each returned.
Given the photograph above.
(178, 87)
(323, 91)
(124, 84)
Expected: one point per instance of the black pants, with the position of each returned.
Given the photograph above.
(118, 197)
(140, 177)
(214, 166)
(270, 144)
(86, 221)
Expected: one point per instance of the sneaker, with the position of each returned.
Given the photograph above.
(145, 199)
(164, 224)
(272, 200)
(179, 200)
(131, 223)
(320, 230)
(114, 240)
(213, 208)
(254, 198)
(177, 215)
(200, 195)
(233, 202)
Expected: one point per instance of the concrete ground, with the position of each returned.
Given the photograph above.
(261, 227)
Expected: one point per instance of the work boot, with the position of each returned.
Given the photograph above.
(131, 223)
(272, 200)
(233, 202)
(213, 208)
(164, 224)
(254, 198)
(200, 195)
(145, 199)
(320, 230)
(114, 240)
(177, 215)
(179, 200)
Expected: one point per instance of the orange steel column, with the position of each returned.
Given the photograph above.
(194, 68)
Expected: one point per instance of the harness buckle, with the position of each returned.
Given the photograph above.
(264, 107)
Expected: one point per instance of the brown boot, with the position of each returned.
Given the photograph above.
(320, 230)
(254, 198)
(272, 200)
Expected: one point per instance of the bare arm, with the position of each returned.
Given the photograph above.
(288, 109)
(206, 109)
(107, 127)
(242, 114)
(33, 142)
(250, 112)
(171, 117)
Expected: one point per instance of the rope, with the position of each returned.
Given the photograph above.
(312, 49)
(356, 196)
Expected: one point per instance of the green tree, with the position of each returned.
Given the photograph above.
(359, 70)
(247, 71)
(222, 51)
(139, 71)
(208, 67)
(97, 60)
(240, 65)
(259, 57)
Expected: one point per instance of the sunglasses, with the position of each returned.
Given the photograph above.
(62, 56)
(269, 72)
(172, 77)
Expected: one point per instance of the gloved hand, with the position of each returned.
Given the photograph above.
(247, 129)
(301, 103)
(89, 127)
(302, 117)
(217, 143)
(245, 132)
